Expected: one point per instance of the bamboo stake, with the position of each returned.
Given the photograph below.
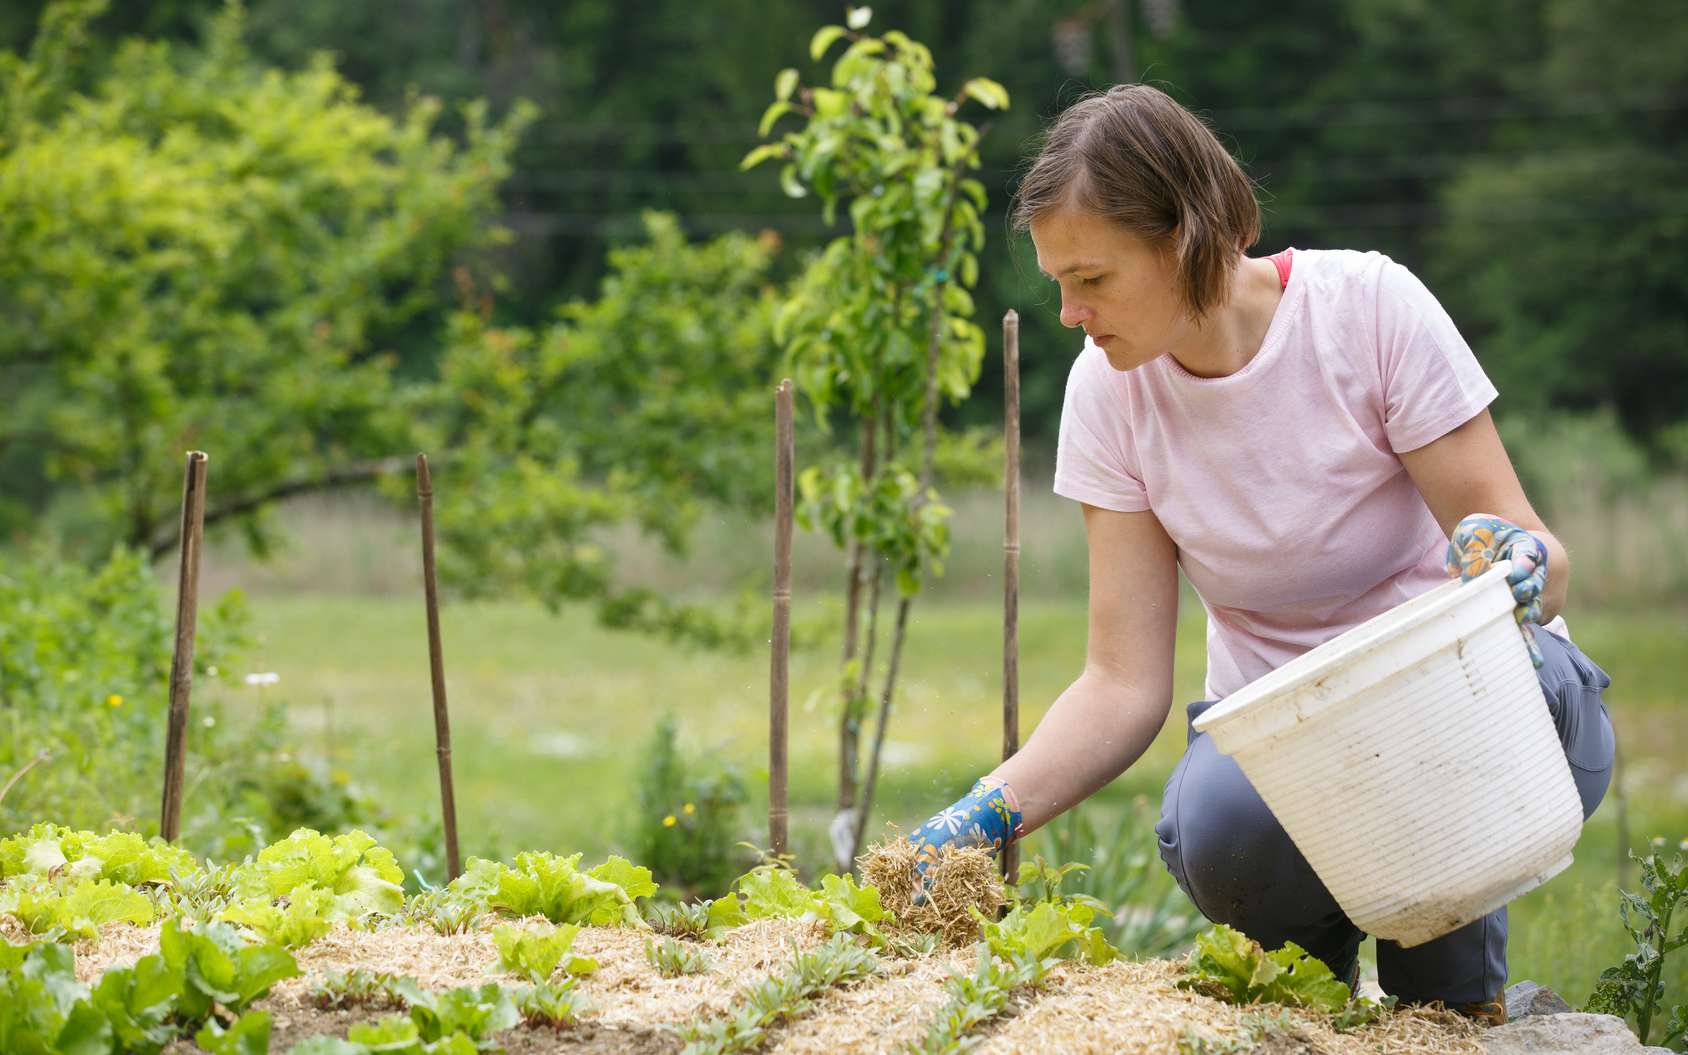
(436, 663)
(1011, 555)
(181, 663)
(779, 669)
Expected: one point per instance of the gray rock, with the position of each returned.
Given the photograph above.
(1528, 998)
(1573, 1033)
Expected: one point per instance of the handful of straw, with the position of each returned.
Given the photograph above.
(963, 878)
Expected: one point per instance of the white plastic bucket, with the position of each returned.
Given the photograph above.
(1413, 761)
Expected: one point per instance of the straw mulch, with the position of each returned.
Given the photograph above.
(964, 878)
(883, 1013)
(1126, 1007)
(1135, 1008)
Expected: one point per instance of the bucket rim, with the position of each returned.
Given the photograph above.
(1351, 645)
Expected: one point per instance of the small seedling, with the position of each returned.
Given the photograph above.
(912, 945)
(672, 959)
(442, 911)
(976, 998)
(553, 1004)
(358, 988)
(779, 998)
(680, 920)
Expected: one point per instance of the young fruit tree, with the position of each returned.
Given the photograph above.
(877, 330)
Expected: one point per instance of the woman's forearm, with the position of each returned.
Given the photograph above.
(1092, 732)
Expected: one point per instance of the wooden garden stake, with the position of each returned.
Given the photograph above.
(181, 663)
(779, 673)
(1011, 555)
(436, 662)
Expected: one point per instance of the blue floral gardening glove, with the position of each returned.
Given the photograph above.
(987, 816)
(1483, 538)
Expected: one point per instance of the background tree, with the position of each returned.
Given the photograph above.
(879, 329)
(1356, 116)
(202, 252)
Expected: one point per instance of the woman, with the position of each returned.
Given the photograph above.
(1301, 434)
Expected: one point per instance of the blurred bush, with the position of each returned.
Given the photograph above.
(205, 252)
(84, 694)
(687, 826)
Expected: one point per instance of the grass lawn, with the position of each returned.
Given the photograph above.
(550, 715)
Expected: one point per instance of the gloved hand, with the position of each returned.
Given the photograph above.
(1483, 538)
(987, 816)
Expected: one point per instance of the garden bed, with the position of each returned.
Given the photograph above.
(1124, 1006)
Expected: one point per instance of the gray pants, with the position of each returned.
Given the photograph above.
(1236, 863)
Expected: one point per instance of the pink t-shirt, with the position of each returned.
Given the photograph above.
(1281, 484)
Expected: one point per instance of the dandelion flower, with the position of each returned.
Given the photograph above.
(114, 700)
(688, 809)
(669, 821)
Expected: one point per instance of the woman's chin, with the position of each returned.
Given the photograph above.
(1120, 357)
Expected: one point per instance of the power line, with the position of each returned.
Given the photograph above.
(1496, 212)
(1321, 169)
(1360, 113)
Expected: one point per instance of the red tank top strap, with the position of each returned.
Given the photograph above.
(1283, 261)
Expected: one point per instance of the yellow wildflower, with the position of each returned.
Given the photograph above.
(114, 700)
(688, 809)
(669, 821)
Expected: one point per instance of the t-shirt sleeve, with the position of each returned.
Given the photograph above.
(1432, 383)
(1093, 458)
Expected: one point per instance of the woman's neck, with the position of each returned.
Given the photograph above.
(1230, 337)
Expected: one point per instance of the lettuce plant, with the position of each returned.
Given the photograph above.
(543, 884)
(534, 953)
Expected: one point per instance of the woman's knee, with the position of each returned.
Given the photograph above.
(1228, 853)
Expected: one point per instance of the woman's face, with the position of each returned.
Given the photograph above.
(1113, 284)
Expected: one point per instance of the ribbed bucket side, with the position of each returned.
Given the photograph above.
(1453, 789)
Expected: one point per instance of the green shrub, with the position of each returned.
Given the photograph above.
(1635, 988)
(85, 680)
(687, 826)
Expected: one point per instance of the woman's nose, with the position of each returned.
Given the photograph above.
(1073, 313)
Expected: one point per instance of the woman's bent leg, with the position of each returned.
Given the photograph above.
(1234, 860)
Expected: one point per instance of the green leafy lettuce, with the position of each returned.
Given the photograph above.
(76, 908)
(42, 1006)
(534, 953)
(1230, 962)
(1048, 928)
(363, 876)
(217, 966)
(122, 857)
(543, 884)
(305, 916)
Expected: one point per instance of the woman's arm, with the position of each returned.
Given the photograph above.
(1108, 717)
(1467, 471)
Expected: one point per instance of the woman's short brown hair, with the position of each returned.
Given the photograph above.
(1134, 156)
